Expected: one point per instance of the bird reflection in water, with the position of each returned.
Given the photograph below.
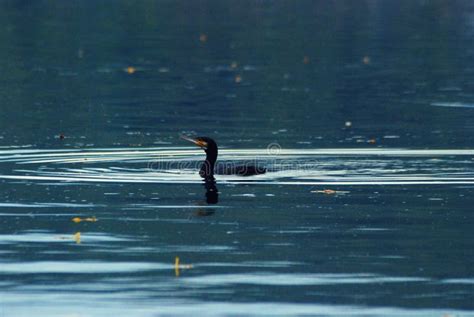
(212, 197)
(212, 193)
(209, 168)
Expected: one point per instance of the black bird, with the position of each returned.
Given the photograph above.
(209, 168)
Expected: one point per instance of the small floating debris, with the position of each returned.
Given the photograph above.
(366, 60)
(306, 60)
(203, 38)
(61, 136)
(89, 219)
(130, 70)
(238, 79)
(178, 266)
(348, 124)
(234, 65)
(330, 192)
(371, 141)
(77, 237)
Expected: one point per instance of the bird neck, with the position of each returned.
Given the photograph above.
(207, 168)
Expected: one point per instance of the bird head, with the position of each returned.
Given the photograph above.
(205, 143)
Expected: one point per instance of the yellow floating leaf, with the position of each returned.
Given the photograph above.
(130, 69)
(89, 219)
(329, 191)
(178, 266)
(77, 237)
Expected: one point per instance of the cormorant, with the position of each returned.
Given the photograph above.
(208, 168)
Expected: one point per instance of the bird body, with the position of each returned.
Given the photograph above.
(241, 170)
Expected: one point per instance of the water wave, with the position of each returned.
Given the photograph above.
(178, 165)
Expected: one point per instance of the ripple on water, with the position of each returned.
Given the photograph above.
(175, 165)
(46, 205)
(81, 267)
(119, 304)
(50, 237)
(259, 278)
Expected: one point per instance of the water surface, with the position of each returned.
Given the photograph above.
(360, 110)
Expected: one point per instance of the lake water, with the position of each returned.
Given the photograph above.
(362, 112)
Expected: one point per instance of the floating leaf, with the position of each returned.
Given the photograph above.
(77, 237)
(130, 70)
(329, 191)
(89, 219)
(178, 266)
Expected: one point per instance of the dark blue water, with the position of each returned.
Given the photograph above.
(362, 112)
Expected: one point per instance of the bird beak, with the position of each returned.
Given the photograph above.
(199, 143)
